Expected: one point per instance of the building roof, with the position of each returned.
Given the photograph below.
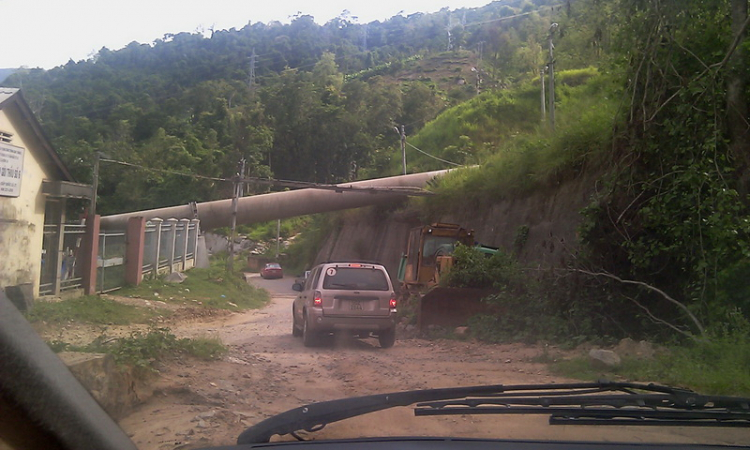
(13, 97)
(6, 93)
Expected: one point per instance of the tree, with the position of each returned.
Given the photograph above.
(737, 103)
(677, 203)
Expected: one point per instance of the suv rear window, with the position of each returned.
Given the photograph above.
(349, 278)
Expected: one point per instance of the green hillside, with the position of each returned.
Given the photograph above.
(297, 101)
(651, 94)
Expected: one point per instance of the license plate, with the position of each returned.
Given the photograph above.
(355, 306)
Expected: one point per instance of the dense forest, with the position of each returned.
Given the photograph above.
(651, 93)
(297, 101)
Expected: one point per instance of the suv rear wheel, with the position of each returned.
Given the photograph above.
(296, 332)
(387, 338)
(308, 337)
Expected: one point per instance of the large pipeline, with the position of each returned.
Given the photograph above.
(282, 205)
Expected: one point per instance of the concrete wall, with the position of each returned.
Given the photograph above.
(370, 234)
(540, 228)
(22, 218)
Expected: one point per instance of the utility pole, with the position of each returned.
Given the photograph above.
(95, 187)
(551, 66)
(544, 95)
(239, 183)
(278, 237)
(402, 133)
(251, 78)
(448, 29)
(478, 82)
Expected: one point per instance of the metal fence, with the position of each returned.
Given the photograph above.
(110, 264)
(60, 268)
(169, 246)
(150, 255)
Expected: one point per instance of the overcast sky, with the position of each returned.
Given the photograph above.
(48, 33)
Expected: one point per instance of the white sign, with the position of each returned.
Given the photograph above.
(11, 169)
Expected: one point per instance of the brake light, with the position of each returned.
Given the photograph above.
(317, 299)
(355, 265)
(392, 303)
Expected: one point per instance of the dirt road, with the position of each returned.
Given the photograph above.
(268, 371)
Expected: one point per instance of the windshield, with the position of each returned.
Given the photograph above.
(437, 245)
(205, 220)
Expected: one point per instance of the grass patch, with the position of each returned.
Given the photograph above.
(90, 309)
(718, 367)
(213, 287)
(141, 350)
(502, 132)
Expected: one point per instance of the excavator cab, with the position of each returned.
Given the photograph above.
(429, 252)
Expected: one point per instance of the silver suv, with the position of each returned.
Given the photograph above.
(345, 296)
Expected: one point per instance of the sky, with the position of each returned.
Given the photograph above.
(49, 33)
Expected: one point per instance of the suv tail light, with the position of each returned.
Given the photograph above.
(392, 302)
(317, 299)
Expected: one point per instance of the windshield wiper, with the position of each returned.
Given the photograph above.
(315, 416)
(603, 402)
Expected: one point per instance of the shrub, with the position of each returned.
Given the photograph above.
(474, 269)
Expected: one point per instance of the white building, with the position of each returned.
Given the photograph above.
(34, 186)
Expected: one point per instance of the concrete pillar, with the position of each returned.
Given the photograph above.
(201, 253)
(171, 239)
(90, 255)
(157, 244)
(193, 245)
(184, 244)
(135, 238)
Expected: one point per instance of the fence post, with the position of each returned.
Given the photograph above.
(57, 252)
(90, 254)
(157, 246)
(171, 240)
(184, 243)
(134, 240)
(194, 244)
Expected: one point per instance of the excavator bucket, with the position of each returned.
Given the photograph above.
(451, 307)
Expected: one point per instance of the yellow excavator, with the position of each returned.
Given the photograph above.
(429, 255)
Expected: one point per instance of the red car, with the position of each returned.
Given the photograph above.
(272, 270)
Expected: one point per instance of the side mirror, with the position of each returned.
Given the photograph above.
(297, 287)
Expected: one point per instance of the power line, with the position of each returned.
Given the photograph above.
(515, 16)
(406, 190)
(433, 156)
(171, 172)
